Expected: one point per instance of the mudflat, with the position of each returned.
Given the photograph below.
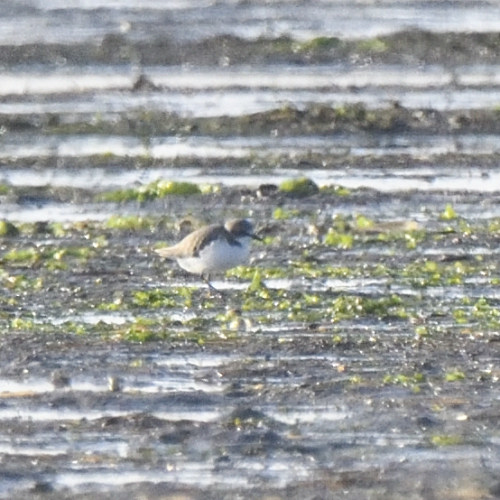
(355, 356)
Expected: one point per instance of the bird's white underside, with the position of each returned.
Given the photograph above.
(217, 256)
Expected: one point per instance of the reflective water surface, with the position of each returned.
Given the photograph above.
(356, 357)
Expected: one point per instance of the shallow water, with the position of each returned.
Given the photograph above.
(362, 368)
(183, 20)
(239, 91)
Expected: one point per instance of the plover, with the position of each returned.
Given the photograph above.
(212, 249)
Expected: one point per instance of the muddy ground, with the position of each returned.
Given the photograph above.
(356, 356)
(363, 370)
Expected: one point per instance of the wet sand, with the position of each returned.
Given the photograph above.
(356, 356)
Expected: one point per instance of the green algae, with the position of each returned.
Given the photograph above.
(130, 223)
(8, 229)
(163, 298)
(335, 190)
(154, 190)
(413, 381)
(145, 328)
(373, 45)
(141, 330)
(115, 305)
(493, 225)
(347, 231)
(311, 270)
(424, 273)
(49, 257)
(22, 255)
(74, 328)
(354, 306)
(338, 239)
(286, 119)
(321, 43)
(261, 305)
(20, 281)
(480, 312)
(22, 324)
(249, 273)
(257, 284)
(299, 188)
(454, 376)
(421, 331)
(58, 229)
(154, 298)
(281, 213)
(448, 213)
(312, 307)
(363, 222)
(419, 46)
(440, 440)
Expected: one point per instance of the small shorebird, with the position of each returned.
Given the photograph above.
(213, 248)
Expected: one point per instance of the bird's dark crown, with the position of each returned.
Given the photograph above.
(239, 227)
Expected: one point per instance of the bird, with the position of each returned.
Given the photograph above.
(213, 248)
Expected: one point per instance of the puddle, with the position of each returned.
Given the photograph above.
(29, 84)
(197, 361)
(13, 388)
(368, 386)
(238, 92)
(169, 383)
(64, 414)
(94, 318)
(52, 212)
(318, 416)
(189, 474)
(184, 23)
(225, 148)
(31, 451)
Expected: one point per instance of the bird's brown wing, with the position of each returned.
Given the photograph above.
(194, 242)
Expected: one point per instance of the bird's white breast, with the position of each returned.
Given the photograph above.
(217, 256)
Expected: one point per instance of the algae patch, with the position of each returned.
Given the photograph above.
(151, 191)
(299, 188)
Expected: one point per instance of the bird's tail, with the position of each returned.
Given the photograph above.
(166, 252)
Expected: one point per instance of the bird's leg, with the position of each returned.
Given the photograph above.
(206, 279)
